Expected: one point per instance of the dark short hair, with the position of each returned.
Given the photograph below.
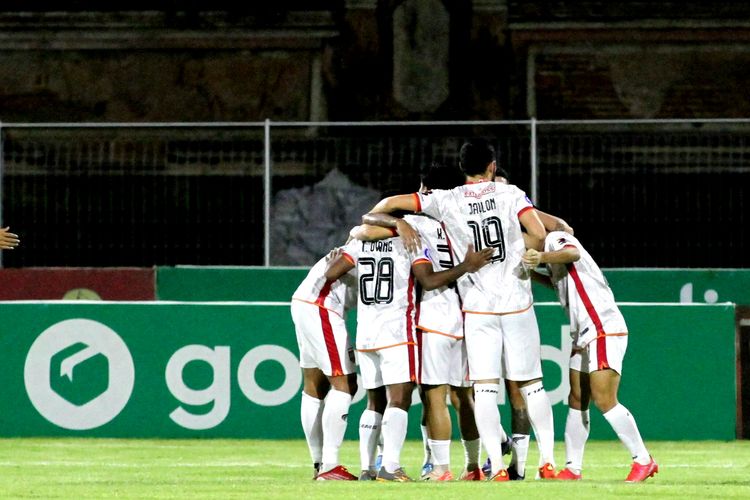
(440, 176)
(475, 155)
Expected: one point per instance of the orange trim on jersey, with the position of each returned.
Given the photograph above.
(428, 330)
(393, 231)
(625, 334)
(419, 202)
(318, 305)
(498, 314)
(523, 211)
(386, 347)
(349, 258)
(421, 261)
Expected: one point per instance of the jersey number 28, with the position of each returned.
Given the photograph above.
(375, 280)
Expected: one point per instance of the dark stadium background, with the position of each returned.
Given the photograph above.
(648, 194)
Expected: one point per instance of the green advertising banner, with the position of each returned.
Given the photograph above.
(231, 370)
(685, 286)
(198, 283)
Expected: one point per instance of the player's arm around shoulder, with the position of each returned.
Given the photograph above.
(430, 279)
(535, 231)
(339, 263)
(565, 255)
(554, 223)
(367, 232)
(407, 202)
(392, 226)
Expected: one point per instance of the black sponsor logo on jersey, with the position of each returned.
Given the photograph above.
(562, 241)
(377, 246)
(481, 207)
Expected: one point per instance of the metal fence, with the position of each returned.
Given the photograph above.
(639, 193)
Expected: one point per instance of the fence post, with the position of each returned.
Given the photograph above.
(533, 159)
(267, 194)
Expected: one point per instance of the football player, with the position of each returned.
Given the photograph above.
(600, 338)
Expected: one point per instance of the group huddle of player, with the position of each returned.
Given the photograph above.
(441, 279)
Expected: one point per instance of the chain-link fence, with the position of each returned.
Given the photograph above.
(639, 193)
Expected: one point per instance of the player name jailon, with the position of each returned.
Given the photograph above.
(377, 246)
(481, 207)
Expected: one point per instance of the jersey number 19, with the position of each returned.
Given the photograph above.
(489, 234)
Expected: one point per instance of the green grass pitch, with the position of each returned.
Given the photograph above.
(116, 468)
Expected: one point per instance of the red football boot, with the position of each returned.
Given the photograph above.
(338, 473)
(640, 472)
(438, 476)
(546, 471)
(568, 475)
(472, 475)
(501, 475)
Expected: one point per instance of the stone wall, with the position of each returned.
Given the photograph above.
(137, 66)
(143, 86)
(632, 81)
(375, 60)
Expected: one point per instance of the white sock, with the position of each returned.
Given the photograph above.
(487, 417)
(395, 421)
(576, 433)
(472, 450)
(369, 434)
(624, 425)
(426, 444)
(441, 452)
(334, 426)
(520, 452)
(311, 411)
(540, 416)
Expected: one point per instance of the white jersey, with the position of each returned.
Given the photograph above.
(584, 292)
(314, 289)
(387, 303)
(485, 214)
(439, 309)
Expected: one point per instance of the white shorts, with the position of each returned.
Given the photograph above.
(322, 340)
(388, 366)
(442, 360)
(601, 353)
(503, 346)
